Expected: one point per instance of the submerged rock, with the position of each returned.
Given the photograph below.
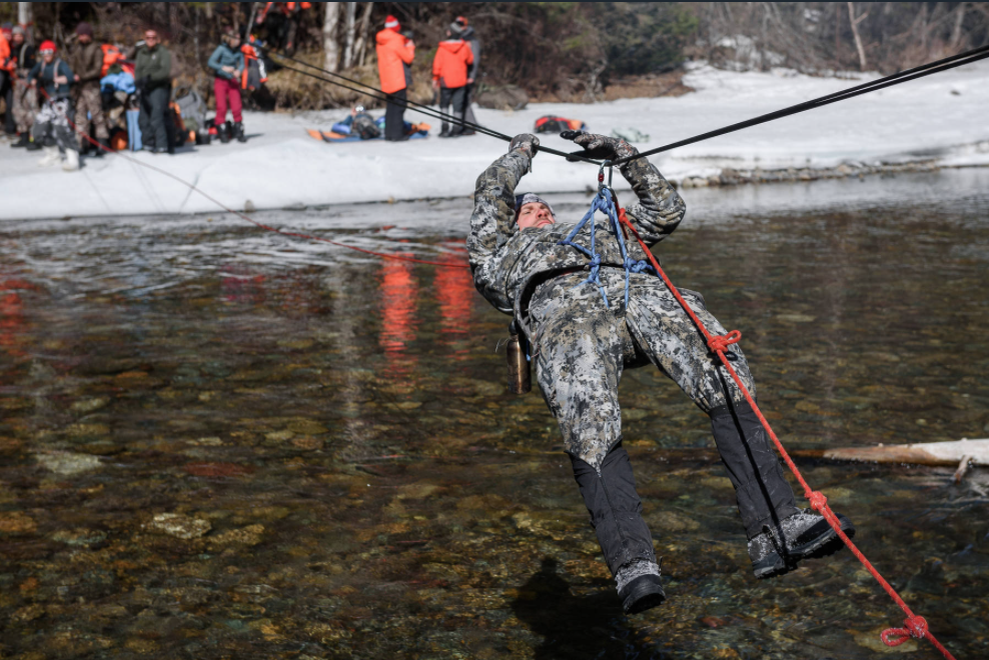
(68, 463)
(15, 522)
(180, 526)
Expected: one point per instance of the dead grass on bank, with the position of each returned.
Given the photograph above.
(298, 92)
(647, 86)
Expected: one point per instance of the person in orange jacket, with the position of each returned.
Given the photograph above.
(7, 84)
(395, 55)
(453, 56)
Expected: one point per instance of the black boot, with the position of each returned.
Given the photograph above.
(804, 535)
(104, 147)
(616, 515)
(223, 133)
(33, 145)
(23, 141)
(239, 132)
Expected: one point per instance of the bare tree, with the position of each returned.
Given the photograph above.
(362, 36)
(250, 21)
(855, 33)
(331, 50)
(348, 49)
(24, 17)
(956, 31)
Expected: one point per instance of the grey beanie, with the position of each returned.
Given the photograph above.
(529, 198)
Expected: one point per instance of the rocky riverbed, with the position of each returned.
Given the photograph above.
(223, 443)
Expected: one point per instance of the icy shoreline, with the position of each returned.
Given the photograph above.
(922, 125)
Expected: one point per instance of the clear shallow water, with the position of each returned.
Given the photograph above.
(350, 478)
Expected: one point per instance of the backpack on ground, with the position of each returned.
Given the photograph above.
(554, 124)
(192, 109)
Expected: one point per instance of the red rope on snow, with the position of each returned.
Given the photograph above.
(244, 217)
(915, 626)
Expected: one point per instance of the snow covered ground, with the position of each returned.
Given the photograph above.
(941, 117)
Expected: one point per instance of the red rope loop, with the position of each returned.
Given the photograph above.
(818, 501)
(721, 342)
(915, 626)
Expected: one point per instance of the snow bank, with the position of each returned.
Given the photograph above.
(941, 117)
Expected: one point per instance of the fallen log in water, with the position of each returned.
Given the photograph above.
(975, 452)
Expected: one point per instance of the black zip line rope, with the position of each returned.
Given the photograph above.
(894, 79)
(419, 107)
(888, 81)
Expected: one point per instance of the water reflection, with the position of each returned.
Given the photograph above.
(242, 284)
(12, 314)
(399, 298)
(296, 453)
(455, 292)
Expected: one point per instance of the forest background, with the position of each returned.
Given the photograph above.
(542, 51)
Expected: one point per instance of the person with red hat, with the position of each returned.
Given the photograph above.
(395, 55)
(51, 125)
(86, 59)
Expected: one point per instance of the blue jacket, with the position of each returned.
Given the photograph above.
(225, 56)
(45, 73)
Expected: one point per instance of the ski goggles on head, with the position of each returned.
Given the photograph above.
(46, 51)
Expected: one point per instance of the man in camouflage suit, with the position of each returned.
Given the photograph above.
(582, 337)
(86, 60)
(23, 98)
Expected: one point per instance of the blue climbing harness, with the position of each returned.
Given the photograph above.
(604, 202)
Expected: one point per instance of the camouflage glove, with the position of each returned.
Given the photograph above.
(526, 142)
(599, 146)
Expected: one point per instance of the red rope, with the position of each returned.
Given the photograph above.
(244, 217)
(915, 626)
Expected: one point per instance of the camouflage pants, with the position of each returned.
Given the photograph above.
(87, 99)
(580, 348)
(51, 126)
(25, 105)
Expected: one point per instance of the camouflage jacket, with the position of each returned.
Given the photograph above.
(508, 263)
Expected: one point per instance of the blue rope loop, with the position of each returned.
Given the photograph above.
(605, 203)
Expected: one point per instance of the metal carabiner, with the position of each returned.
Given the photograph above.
(604, 164)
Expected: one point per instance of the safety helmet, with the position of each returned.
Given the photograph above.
(47, 47)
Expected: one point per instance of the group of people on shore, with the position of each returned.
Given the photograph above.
(455, 72)
(54, 100)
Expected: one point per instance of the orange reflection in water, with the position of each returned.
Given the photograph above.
(238, 285)
(12, 324)
(455, 294)
(399, 296)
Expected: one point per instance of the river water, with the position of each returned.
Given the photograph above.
(218, 442)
